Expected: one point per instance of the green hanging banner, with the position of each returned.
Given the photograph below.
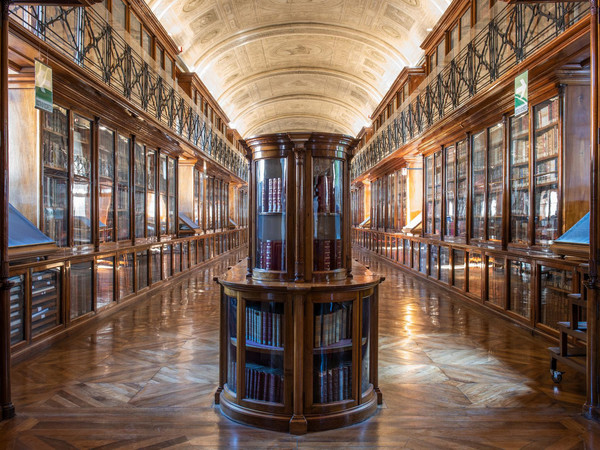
(43, 86)
(521, 93)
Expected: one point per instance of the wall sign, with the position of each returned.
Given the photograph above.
(43, 86)
(521, 93)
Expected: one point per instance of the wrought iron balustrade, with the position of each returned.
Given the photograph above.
(92, 43)
(510, 37)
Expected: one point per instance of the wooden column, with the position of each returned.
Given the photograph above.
(300, 156)
(591, 409)
(8, 409)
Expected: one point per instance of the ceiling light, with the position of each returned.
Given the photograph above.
(429, 29)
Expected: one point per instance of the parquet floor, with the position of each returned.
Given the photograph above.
(145, 378)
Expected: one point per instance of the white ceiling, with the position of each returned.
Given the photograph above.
(298, 65)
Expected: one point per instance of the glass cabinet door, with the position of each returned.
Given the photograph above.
(151, 192)
(271, 217)
(450, 191)
(265, 331)
(478, 186)
(123, 186)
(332, 352)
(519, 178)
(327, 214)
(82, 181)
(55, 174)
(494, 181)
(546, 146)
(365, 345)
(231, 305)
(139, 177)
(106, 178)
(462, 160)
(438, 194)
(429, 194)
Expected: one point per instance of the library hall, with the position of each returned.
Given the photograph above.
(299, 224)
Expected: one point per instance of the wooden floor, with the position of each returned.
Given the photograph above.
(145, 378)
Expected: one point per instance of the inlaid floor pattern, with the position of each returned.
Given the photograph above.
(451, 376)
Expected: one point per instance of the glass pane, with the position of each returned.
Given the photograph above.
(445, 264)
(459, 269)
(176, 258)
(416, 257)
(151, 194)
(365, 346)
(519, 178)
(123, 183)
(156, 263)
(105, 282)
(465, 24)
(423, 258)
(82, 167)
(56, 222)
(433, 260)
(496, 281)
(461, 188)
(185, 255)
(106, 179)
(475, 272)
(196, 206)
(429, 194)
(172, 199)
(520, 288)
(546, 142)
(450, 191)
(327, 213)
(147, 42)
(167, 262)
(140, 190)
(271, 217)
(438, 194)
(118, 14)
(135, 28)
(231, 303)
(556, 285)
(265, 331)
(193, 253)
(478, 188)
(494, 181)
(17, 309)
(45, 300)
(142, 270)
(163, 193)
(332, 353)
(125, 275)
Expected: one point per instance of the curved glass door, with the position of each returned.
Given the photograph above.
(271, 214)
(327, 213)
(332, 352)
(231, 304)
(264, 351)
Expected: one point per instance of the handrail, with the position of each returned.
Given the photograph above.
(515, 33)
(92, 43)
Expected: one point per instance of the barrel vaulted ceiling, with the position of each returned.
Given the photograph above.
(298, 65)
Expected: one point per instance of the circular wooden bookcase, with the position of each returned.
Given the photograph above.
(299, 340)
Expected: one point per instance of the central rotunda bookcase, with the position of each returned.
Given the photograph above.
(299, 319)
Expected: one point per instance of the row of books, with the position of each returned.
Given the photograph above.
(333, 385)
(271, 255)
(520, 151)
(546, 166)
(327, 254)
(333, 325)
(263, 327)
(547, 115)
(272, 195)
(56, 121)
(262, 383)
(324, 194)
(546, 144)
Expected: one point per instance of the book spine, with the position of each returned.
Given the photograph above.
(269, 255)
(318, 321)
(263, 328)
(329, 386)
(335, 384)
(270, 209)
(326, 255)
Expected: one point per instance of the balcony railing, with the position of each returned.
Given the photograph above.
(88, 39)
(515, 33)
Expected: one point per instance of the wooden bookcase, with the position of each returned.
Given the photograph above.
(298, 319)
